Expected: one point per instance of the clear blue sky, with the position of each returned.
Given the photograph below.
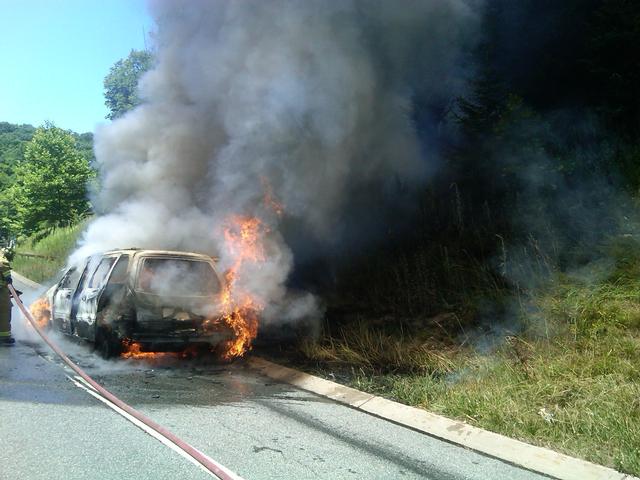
(54, 55)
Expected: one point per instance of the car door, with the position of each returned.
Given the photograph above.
(62, 300)
(89, 296)
(90, 267)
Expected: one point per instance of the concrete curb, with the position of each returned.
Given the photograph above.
(537, 459)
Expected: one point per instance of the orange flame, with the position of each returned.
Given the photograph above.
(131, 349)
(243, 240)
(239, 310)
(41, 312)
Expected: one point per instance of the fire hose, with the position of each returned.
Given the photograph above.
(212, 466)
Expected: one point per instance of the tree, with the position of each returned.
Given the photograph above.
(50, 187)
(13, 139)
(121, 84)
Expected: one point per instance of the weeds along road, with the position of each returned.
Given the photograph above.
(260, 429)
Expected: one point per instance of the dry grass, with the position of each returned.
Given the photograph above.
(379, 351)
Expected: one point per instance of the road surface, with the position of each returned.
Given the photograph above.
(260, 429)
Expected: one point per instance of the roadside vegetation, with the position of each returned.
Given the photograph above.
(41, 256)
(562, 371)
(45, 175)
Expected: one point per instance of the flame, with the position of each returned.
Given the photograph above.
(244, 243)
(243, 240)
(41, 312)
(131, 349)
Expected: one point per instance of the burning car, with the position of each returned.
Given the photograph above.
(154, 299)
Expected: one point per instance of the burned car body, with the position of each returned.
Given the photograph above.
(162, 300)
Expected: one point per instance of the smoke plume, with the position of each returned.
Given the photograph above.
(295, 104)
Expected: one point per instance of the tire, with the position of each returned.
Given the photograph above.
(108, 344)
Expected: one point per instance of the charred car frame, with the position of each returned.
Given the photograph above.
(163, 300)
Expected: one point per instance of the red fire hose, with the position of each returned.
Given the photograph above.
(217, 469)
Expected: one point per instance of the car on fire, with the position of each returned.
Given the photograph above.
(161, 300)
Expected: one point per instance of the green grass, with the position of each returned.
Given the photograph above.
(55, 247)
(583, 400)
(569, 380)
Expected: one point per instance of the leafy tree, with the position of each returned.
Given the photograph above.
(84, 144)
(50, 187)
(12, 141)
(13, 138)
(121, 84)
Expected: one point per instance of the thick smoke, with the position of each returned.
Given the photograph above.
(307, 102)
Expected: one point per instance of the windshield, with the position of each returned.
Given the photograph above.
(177, 277)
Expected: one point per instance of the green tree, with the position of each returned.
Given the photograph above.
(50, 187)
(13, 138)
(121, 84)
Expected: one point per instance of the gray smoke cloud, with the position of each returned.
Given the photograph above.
(311, 100)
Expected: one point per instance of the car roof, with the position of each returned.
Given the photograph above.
(148, 252)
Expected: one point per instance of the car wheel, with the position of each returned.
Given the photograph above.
(108, 344)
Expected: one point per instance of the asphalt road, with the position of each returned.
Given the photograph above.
(260, 429)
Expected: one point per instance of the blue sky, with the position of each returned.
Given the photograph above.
(54, 55)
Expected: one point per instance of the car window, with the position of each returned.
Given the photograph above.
(177, 277)
(70, 278)
(119, 273)
(101, 272)
(87, 272)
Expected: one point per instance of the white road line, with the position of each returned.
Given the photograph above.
(100, 393)
(80, 383)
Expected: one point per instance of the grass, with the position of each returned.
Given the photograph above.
(583, 400)
(568, 379)
(379, 350)
(51, 252)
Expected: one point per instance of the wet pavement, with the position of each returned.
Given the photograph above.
(260, 429)
(50, 429)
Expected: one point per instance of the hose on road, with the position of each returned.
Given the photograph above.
(212, 466)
